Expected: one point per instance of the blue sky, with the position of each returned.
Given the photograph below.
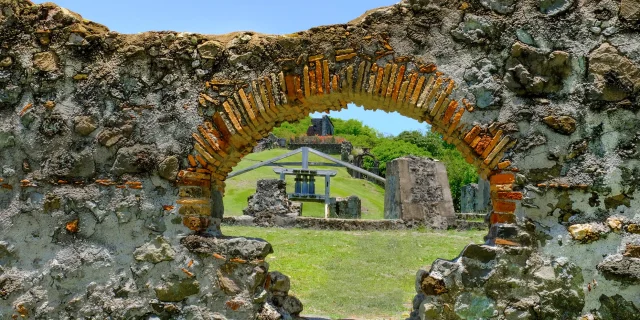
(219, 17)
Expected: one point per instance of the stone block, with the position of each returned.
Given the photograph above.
(418, 189)
(346, 208)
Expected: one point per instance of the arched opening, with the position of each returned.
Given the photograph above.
(329, 81)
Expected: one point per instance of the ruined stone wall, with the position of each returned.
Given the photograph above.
(96, 127)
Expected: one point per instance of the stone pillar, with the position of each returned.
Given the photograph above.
(418, 189)
(468, 198)
(483, 195)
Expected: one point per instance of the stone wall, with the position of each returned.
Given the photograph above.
(418, 189)
(109, 141)
(270, 200)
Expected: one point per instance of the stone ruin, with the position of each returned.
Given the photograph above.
(111, 144)
(475, 197)
(345, 208)
(271, 200)
(417, 189)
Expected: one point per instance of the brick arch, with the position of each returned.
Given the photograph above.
(329, 82)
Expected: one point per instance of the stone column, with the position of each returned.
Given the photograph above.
(418, 189)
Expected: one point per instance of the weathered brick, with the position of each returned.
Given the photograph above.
(504, 206)
(510, 195)
(502, 178)
(503, 165)
(492, 145)
(346, 57)
(473, 133)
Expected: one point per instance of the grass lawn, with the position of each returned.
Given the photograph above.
(364, 275)
(342, 185)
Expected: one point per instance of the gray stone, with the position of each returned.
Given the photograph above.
(247, 249)
(475, 30)
(499, 6)
(176, 291)
(621, 268)
(280, 283)
(269, 312)
(7, 140)
(418, 189)
(483, 84)
(155, 251)
(554, 7)
(139, 158)
(532, 71)
(168, 168)
(85, 125)
(46, 61)
(482, 253)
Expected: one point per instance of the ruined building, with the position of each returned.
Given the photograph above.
(114, 150)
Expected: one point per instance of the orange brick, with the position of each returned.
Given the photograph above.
(504, 164)
(482, 144)
(503, 242)
(192, 161)
(502, 178)
(504, 206)
(510, 195)
(502, 218)
(468, 139)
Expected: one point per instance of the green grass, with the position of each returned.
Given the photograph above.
(342, 185)
(364, 275)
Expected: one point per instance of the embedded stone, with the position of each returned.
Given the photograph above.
(84, 125)
(533, 72)
(227, 284)
(155, 251)
(475, 30)
(280, 283)
(630, 9)
(499, 6)
(432, 286)
(581, 231)
(632, 251)
(290, 304)
(615, 76)
(177, 291)
(562, 124)
(135, 159)
(481, 253)
(621, 268)
(45, 61)
(7, 140)
(168, 168)
(554, 7)
(210, 49)
(6, 62)
(614, 223)
(633, 228)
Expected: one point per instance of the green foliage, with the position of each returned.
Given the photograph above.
(389, 149)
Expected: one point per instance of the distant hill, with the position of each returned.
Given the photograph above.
(342, 185)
